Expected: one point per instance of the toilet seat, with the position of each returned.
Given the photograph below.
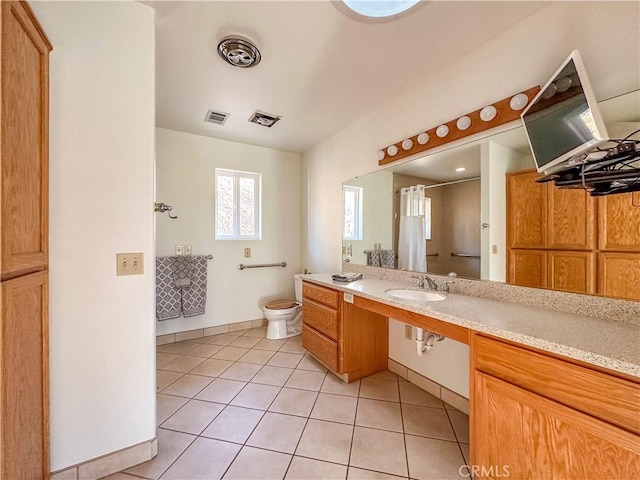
(281, 304)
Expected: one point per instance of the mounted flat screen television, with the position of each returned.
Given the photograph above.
(563, 122)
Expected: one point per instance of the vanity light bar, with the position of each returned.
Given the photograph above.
(499, 113)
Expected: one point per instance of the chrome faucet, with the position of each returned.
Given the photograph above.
(430, 281)
(447, 283)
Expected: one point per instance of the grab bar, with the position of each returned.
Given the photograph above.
(465, 255)
(242, 266)
(433, 254)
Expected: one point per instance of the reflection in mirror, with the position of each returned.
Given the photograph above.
(467, 214)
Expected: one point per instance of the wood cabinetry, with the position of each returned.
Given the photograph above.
(350, 341)
(24, 397)
(539, 416)
(588, 245)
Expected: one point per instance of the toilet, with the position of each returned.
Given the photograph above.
(285, 316)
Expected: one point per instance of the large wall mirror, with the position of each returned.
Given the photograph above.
(469, 222)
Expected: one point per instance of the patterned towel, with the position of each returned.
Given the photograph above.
(182, 271)
(168, 297)
(387, 258)
(194, 298)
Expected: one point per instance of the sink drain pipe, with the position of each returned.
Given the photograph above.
(425, 344)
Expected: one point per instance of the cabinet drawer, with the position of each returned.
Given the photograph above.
(323, 319)
(323, 295)
(321, 347)
(607, 397)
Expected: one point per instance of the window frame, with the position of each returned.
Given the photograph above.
(358, 208)
(257, 204)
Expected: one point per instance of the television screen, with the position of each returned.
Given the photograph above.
(563, 122)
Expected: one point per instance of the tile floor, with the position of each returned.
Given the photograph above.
(239, 406)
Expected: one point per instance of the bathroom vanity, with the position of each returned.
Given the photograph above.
(553, 394)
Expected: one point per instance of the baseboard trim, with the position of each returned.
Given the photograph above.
(449, 397)
(110, 463)
(208, 331)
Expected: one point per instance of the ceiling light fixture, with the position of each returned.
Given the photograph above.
(239, 52)
(379, 8)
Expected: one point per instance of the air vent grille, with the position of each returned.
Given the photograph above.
(265, 119)
(217, 118)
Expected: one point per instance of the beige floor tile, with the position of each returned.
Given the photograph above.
(221, 390)
(380, 451)
(256, 396)
(163, 359)
(188, 386)
(433, 459)
(205, 459)
(245, 342)
(205, 350)
(241, 371)
(256, 464)
(119, 476)
(413, 395)
(234, 424)
(273, 345)
(259, 332)
(278, 432)
(170, 447)
(294, 402)
(293, 345)
(384, 375)
(230, 353)
(335, 408)
(281, 359)
(179, 348)
(465, 452)
(379, 414)
(309, 469)
(257, 356)
(164, 378)
(272, 375)
(460, 422)
(167, 405)
(379, 389)
(183, 364)
(360, 474)
(333, 384)
(193, 417)
(427, 422)
(326, 441)
(306, 380)
(212, 367)
(310, 363)
(204, 339)
(222, 339)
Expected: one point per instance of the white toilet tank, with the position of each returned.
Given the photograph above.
(298, 284)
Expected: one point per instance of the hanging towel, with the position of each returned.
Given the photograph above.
(182, 271)
(168, 297)
(194, 298)
(387, 258)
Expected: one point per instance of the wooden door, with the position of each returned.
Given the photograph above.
(619, 275)
(518, 434)
(24, 401)
(571, 219)
(572, 271)
(526, 211)
(620, 222)
(24, 142)
(527, 268)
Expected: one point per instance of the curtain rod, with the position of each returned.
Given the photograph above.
(447, 183)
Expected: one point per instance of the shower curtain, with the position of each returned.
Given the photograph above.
(412, 249)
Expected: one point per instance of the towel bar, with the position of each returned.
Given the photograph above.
(242, 266)
(465, 255)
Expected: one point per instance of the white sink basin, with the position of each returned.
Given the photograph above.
(418, 295)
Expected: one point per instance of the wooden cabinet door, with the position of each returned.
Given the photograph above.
(24, 400)
(619, 275)
(23, 142)
(527, 268)
(526, 211)
(620, 222)
(571, 219)
(518, 434)
(364, 349)
(572, 271)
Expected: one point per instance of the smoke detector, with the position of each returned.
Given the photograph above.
(239, 52)
(264, 119)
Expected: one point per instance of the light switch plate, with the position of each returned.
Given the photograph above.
(129, 264)
(178, 249)
(247, 253)
(187, 249)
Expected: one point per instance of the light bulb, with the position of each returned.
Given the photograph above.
(463, 123)
(423, 138)
(380, 154)
(442, 131)
(392, 150)
(519, 101)
(488, 113)
(407, 143)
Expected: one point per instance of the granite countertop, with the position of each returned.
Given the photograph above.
(596, 341)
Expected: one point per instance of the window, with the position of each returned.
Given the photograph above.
(352, 212)
(238, 205)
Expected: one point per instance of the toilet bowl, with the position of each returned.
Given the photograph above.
(285, 315)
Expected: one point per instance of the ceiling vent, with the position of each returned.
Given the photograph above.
(264, 119)
(239, 52)
(216, 117)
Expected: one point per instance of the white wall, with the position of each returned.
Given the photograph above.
(186, 166)
(606, 33)
(101, 192)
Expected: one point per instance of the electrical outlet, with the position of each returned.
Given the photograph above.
(187, 249)
(348, 297)
(247, 253)
(129, 264)
(494, 249)
(408, 332)
(178, 249)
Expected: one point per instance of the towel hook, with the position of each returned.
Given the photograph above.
(163, 207)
